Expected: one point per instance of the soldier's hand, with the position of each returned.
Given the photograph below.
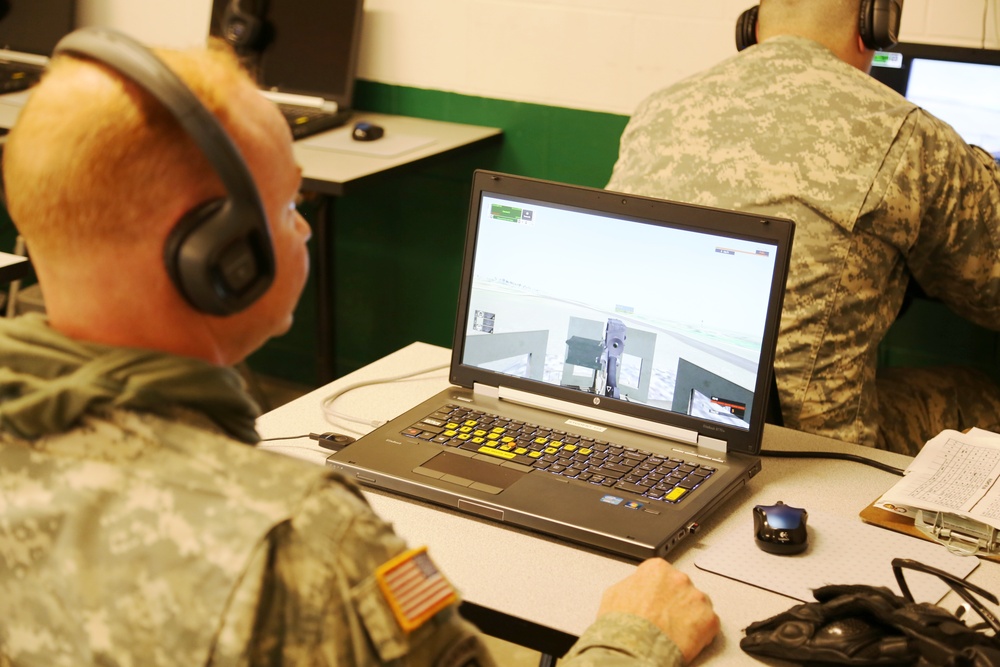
(665, 595)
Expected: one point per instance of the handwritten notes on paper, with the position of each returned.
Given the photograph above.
(954, 472)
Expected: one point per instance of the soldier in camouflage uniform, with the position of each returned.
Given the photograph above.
(881, 192)
(138, 524)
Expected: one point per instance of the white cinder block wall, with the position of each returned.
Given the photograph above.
(598, 55)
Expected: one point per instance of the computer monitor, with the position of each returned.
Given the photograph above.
(34, 26)
(959, 85)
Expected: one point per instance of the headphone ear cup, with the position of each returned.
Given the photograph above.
(746, 28)
(866, 23)
(878, 22)
(213, 269)
(243, 30)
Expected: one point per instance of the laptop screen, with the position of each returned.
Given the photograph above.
(661, 313)
(961, 86)
(35, 26)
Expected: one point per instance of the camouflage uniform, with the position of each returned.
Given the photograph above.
(880, 191)
(136, 529)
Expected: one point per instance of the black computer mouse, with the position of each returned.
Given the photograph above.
(364, 131)
(780, 528)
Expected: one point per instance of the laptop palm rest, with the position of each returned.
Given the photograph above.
(464, 471)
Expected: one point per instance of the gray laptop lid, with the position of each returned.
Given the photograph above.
(653, 315)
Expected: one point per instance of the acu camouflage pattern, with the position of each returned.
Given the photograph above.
(879, 191)
(134, 538)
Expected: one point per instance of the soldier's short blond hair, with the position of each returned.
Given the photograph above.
(93, 156)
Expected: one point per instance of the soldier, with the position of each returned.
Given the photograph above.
(138, 524)
(881, 192)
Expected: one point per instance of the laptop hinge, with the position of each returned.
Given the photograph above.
(486, 390)
(593, 414)
(21, 57)
(300, 100)
(713, 443)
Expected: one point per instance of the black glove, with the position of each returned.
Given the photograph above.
(868, 625)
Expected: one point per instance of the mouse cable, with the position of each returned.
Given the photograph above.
(832, 455)
(327, 403)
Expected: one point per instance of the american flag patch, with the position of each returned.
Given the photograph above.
(414, 588)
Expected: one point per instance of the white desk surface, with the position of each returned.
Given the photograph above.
(474, 553)
(332, 161)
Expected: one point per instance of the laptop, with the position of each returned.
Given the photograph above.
(303, 54)
(610, 368)
(28, 33)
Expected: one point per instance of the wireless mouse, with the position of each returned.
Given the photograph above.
(780, 528)
(367, 132)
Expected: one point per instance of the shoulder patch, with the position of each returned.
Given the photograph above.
(414, 588)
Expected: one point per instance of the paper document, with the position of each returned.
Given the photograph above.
(954, 472)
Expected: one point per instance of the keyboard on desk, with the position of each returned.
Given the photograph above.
(305, 121)
(558, 452)
(15, 77)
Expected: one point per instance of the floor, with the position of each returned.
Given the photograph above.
(272, 393)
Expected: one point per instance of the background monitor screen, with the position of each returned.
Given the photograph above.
(961, 86)
(311, 46)
(34, 26)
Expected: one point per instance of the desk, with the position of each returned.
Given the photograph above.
(335, 173)
(13, 267)
(535, 610)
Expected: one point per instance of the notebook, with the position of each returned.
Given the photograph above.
(303, 54)
(610, 367)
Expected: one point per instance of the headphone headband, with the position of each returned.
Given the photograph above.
(220, 254)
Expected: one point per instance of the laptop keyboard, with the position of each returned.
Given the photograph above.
(304, 121)
(15, 77)
(583, 458)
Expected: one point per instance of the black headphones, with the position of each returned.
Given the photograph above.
(245, 27)
(219, 255)
(878, 23)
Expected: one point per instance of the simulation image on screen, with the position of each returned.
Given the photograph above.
(636, 312)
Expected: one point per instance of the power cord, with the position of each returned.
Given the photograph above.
(832, 455)
(330, 414)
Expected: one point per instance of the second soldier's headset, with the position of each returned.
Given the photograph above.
(878, 23)
(219, 255)
(244, 25)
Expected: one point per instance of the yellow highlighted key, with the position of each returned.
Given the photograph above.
(675, 494)
(496, 452)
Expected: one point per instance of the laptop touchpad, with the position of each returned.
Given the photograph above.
(469, 472)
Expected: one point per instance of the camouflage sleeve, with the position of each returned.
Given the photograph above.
(941, 207)
(622, 639)
(313, 598)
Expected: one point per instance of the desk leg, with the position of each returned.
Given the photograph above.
(325, 291)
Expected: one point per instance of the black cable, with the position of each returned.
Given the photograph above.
(832, 455)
